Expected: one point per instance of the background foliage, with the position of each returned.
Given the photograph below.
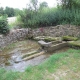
(67, 12)
(40, 15)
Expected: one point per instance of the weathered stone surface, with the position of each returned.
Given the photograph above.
(28, 54)
(58, 31)
(47, 38)
(39, 38)
(53, 31)
(45, 44)
(56, 46)
(74, 44)
(15, 35)
(16, 59)
(33, 56)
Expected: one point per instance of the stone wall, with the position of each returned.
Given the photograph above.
(15, 35)
(58, 31)
(54, 31)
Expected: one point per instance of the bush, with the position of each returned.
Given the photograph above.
(4, 29)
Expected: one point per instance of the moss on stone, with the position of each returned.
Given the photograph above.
(39, 38)
(74, 44)
(47, 38)
(69, 38)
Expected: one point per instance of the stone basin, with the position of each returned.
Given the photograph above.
(11, 58)
(52, 46)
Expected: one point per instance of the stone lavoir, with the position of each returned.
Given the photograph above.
(53, 31)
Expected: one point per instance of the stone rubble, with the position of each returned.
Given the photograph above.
(58, 31)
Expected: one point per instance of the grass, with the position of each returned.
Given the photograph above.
(61, 66)
(4, 75)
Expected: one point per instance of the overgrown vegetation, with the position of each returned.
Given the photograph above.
(65, 62)
(40, 15)
(44, 16)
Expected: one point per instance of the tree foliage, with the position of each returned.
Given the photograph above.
(9, 11)
(1, 11)
(43, 5)
(34, 4)
(67, 12)
(69, 4)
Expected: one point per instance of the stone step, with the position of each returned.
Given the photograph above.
(45, 44)
(74, 44)
(28, 54)
(33, 56)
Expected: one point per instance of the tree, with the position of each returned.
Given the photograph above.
(69, 4)
(9, 11)
(17, 11)
(34, 4)
(43, 4)
(1, 11)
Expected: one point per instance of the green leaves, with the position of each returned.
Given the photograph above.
(50, 17)
(4, 29)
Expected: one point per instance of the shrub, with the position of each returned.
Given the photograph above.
(4, 29)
